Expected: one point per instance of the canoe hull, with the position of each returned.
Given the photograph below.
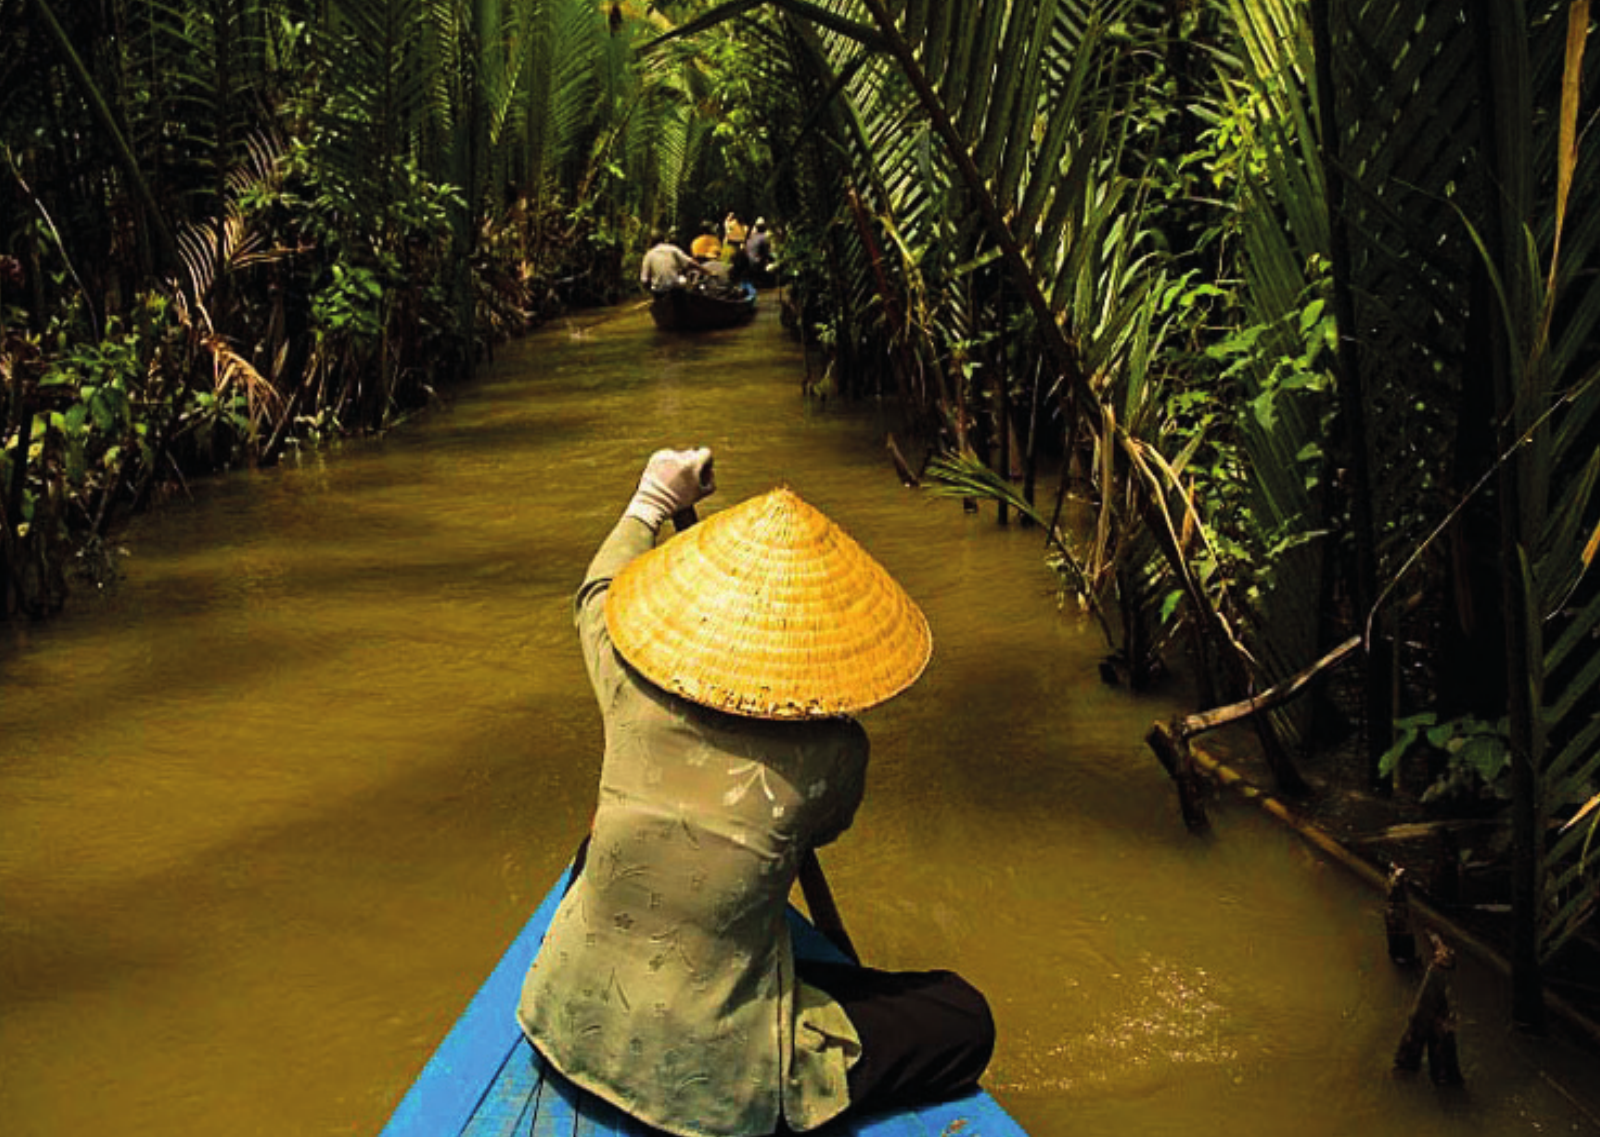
(690, 310)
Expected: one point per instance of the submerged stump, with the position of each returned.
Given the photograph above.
(1431, 1031)
(1397, 919)
(1171, 746)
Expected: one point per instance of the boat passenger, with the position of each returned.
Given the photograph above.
(706, 247)
(733, 232)
(759, 247)
(717, 280)
(728, 662)
(665, 265)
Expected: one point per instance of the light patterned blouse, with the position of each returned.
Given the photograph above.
(666, 981)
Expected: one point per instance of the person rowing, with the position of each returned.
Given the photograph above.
(666, 266)
(729, 662)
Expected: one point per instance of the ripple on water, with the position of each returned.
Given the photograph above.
(1160, 1017)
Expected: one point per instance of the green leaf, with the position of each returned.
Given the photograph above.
(1390, 758)
(105, 417)
(1409, 728)
(1261, 408)
(76, 465)
(1486, 756)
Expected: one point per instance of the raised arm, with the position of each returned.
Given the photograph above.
(673, 480)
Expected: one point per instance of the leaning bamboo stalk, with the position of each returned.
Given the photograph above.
(1275, 696)
(1171, 740)
(898, 328)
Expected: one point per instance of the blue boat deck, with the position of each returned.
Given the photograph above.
(485, 1080)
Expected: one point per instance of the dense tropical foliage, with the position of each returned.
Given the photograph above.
(1301, 289)
(238, 226)
(1299, 294)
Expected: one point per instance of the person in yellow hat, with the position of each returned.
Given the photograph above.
(706, 247)
(727, 662)
(733, 232)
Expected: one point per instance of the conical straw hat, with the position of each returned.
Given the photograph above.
(768, 610)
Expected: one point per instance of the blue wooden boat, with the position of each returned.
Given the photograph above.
(694, 309)
(485, 1079)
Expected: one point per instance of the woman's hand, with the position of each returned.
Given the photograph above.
(673, 481)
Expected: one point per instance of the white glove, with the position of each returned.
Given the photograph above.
(673, 480)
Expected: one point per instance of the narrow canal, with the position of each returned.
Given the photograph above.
(271, 809)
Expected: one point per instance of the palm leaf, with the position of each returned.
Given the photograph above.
(953, 475)
(1007, 104)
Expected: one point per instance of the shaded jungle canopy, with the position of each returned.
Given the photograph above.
(1296, 292)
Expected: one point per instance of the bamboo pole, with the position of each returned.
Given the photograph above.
(1272, 697)
(820, 904)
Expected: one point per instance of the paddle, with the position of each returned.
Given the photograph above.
(813, 882)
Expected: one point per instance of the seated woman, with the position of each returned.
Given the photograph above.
(727, 663)
(707, 246)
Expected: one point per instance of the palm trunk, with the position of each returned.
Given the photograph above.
(149, 209)
(1503, 47)
(1380, 708)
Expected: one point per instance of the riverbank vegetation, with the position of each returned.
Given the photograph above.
(1302, 296)
(1299, 293)
(239, 227)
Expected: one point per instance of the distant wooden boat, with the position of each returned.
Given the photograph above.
(695, 310)
(486, 1078)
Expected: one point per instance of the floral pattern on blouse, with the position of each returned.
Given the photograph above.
(666, 981)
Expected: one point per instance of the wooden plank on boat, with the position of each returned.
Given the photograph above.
(508, 1108)
(486, 1080)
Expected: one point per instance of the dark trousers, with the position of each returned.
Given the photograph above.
(925, 1035)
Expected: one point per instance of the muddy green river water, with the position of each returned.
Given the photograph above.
(271, 808)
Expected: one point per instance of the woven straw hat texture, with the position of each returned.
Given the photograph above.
(768, 610)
